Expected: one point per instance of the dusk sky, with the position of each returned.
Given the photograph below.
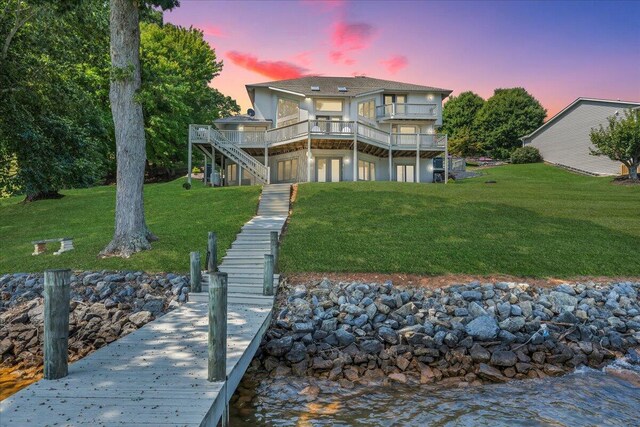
(558, 51)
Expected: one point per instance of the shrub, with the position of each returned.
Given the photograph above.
(195, 170)
(526, 155)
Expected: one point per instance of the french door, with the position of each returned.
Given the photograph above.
(328, 169)
(405, 173)
(399, 100)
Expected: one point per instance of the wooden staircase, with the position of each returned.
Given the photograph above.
(244, 261)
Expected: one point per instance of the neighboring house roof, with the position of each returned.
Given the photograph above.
(568, 108)
(328, 86)
(242, 118)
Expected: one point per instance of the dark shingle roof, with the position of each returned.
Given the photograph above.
(241, 118)
(355, 86)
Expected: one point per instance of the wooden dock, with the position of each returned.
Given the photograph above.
(157, 375)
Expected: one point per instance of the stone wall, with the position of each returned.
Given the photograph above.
(471, 333)
(104, 306)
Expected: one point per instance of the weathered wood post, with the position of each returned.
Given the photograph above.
(56, 323)
(267, 286)
(217, 327)
(274, 250)
(196, 275)
(212, 252)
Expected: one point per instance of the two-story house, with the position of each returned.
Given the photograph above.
(329, 129)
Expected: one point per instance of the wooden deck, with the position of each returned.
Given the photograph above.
(157, 375)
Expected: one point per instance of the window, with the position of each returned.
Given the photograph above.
(329, 105)
(287, 170)
(367, 109)
(404, 129)
(366, 171)
(288, 112)
(398, 100)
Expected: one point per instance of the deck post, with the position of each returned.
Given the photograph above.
(205, 170)
(274, 249)
(189, 152)
(390, 160)
(56, 323)
(217, 368)
(212, 252)
(239, 174)
(446, 163)
(355, 151)
(417, 157)
(267, 285)
(196, 275)
(309, 151)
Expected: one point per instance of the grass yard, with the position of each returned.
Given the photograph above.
(180, 218)
(536, 221)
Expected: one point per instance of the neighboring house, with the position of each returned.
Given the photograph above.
(564, 139)
(328, 129)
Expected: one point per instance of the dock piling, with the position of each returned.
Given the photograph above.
(212, 252)
(267, 286)
(196, 275)
(217, 327)
(274, 250)
(56, 323)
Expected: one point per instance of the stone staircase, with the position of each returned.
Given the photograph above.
(244, 261)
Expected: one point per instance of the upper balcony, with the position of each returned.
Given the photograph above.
(319, 129)
(403, 111)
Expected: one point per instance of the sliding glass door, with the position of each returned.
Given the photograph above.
(405, 173)
(328, 169)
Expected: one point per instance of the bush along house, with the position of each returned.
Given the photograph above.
(328, 129)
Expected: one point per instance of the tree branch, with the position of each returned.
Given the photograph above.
(18, 24)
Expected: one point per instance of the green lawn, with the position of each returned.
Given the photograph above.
(180, 218)
(537, 220)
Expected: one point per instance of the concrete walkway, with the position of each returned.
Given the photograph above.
(157, 375)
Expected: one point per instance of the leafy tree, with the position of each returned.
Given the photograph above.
(177, 66)
(131, 232)
(505, 117)
(459, 113)
(53, 124)
(458, 122)
(620, 141)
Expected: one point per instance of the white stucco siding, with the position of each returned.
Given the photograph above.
(566, 141)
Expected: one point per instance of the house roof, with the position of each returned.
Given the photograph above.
(328, 86)
(241, 118)
(569, 107)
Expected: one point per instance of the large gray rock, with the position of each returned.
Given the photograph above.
(371, 346)
(479, 354)
(483, 328)
(490, 373)
(504, 358)
(476, 310)
(512, 324)
(344, 338)
(562, 299)
(388, 335)
(280, 346)
(140, 318)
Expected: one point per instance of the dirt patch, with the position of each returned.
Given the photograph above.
(445, 280)
(625, 180)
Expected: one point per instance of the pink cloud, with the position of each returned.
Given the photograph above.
(303, 58)
(278, 70)
(211, 30)
(349, 37)
(395, 63)
(324, 5)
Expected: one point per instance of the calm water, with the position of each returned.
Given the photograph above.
(584, 398)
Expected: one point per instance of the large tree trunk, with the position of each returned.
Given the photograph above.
(633, 171)
(131, 233)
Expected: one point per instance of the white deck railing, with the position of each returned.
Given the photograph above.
(407, 111)
(319, 129)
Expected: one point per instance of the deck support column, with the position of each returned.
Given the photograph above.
(205, 170)
(266, 162)
(309, 151)
(189, 150)
(239, 175)
(355, 152)
(446, 162)
(390, 160)
(417, 157)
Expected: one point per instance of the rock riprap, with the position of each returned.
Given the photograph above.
(469, 333)
(104, 306)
